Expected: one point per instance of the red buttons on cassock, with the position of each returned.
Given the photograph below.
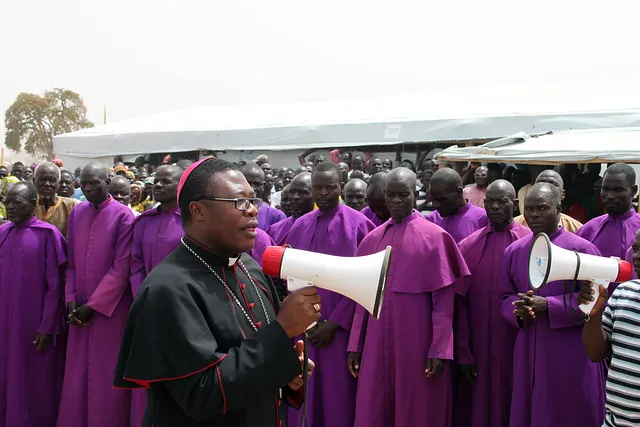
(242, 286)
(259, 324)
(251, 305)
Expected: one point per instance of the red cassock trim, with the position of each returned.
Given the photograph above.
(224, 396)
(147, 383)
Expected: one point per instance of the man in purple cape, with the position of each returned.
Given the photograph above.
(301, 203)
(614, 232)
(355, 194)
(333, 229)
(32, 260)
(376, 209)
(267, 215)
(453, 213)
(156, 233)
(554, 382)
(484, 339)
(98, 300)
(403, 359)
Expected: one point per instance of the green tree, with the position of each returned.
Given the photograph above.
(33, 120)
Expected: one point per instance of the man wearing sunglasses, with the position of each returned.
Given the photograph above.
(206, 335)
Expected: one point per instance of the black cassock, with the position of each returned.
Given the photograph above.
(188, 342)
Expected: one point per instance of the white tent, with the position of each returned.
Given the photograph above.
(580, 146)
(428, 117)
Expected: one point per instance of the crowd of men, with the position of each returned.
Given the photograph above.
(462, 340)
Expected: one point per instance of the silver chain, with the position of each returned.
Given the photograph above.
(235, 298)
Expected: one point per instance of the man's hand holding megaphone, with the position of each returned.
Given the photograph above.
(299, 310)
(587, 295)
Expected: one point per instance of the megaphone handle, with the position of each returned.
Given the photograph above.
(595, 285)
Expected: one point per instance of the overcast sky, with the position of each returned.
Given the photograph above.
(148, 56)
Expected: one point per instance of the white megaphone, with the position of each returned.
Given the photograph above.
(548, 263)
(361, 279)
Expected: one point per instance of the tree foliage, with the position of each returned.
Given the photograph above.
(33, 120)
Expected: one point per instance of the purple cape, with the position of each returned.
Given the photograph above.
(415, 324)
(32, 261)
(554, 383)
(267, 216)
(155, 235)
(372, 216)
(612, 235)
(97, 275)
(262, 242)
(332, 389)
(483, 336)
(629, 258)
(280, 230)
(464, 222)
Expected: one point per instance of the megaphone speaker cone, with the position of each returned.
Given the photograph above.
(539, 261)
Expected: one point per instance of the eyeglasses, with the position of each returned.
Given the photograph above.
(241, 204)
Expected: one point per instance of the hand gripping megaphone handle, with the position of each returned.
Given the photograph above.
(595, 285)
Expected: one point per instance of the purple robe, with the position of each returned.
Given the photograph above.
(554, 383)
(468, 219)
(280, 230)
(32, 261)
(483, 336)
(416, 323)
(332, 389)
(612, 235)
(372, 216)
(629, 258)
(262, 242)
(267, 216)
(97, 275)
(155, 235)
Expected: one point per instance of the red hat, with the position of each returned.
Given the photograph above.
(187, 172)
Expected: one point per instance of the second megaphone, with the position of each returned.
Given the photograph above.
(548, 263)
(361, 279)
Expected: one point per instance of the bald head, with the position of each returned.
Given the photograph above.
(551, 177)
(120, 190)
(355, 184)
(546, 191)
(94, 170)
(302, 179)
(355, 194)
(400, 193)
(403, 175)
(445, 190)
(499, 203)
(254, 175)
(377, 181)
(542, 207)
(20, 202)
(94, 181)
(47, 167)
(502, 188)
(174, 171)
(300, 197)
(448, 178)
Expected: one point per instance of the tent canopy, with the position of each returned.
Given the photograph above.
(580, 146)
(431, 117)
